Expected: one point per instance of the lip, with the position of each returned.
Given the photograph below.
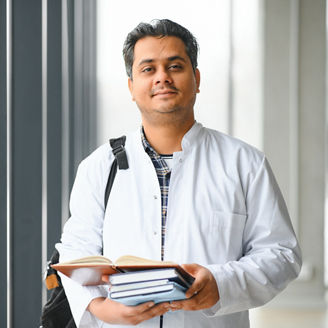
(165, 93)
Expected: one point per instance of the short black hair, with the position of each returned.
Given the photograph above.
(159, 28)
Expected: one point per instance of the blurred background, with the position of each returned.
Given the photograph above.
(63, 92)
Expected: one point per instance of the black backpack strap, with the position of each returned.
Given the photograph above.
(119, 152)
(121, 160)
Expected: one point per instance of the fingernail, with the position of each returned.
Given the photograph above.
(151, 305)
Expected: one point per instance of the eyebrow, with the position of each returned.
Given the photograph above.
(172, 58)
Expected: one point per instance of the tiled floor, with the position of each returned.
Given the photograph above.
(269, 318)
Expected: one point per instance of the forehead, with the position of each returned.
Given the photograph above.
(158, 48)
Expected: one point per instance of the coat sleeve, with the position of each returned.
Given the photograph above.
(82, 235)
(271, 254)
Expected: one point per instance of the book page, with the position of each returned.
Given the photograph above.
(89, 270)
(96, 259)
(127, 260)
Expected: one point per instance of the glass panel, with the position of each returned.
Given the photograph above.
(247, 71)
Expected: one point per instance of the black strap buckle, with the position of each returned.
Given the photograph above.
(117, 149)
(119, 152)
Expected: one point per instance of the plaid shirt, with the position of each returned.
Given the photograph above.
(163, 175)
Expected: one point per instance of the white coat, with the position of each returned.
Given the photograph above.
(225, 212)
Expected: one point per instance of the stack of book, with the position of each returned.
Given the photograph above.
(133, 280)
(157, 285)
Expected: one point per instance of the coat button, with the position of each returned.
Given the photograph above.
(155, 196)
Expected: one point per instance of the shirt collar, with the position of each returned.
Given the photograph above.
(147, 147)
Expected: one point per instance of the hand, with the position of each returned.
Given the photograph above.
(202, 294)
(116, 313)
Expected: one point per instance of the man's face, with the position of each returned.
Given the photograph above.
(163, 83)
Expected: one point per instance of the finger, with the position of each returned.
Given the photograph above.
(105, 278)
(158, 309)
(192, 303)
(202, 300)
(198, 300)
(186, 305)
(177, 305)
(154, 311)
(193, 290)
(141, 308)
(197, 286)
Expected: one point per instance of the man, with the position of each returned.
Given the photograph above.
(191, 195)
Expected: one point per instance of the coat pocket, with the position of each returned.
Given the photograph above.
(227, 220)
(227, 234)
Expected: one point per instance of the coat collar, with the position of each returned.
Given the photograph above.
(191, 139)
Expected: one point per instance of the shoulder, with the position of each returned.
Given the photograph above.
(235, 155)
(100, 157)
(231, 146)
(93, 171)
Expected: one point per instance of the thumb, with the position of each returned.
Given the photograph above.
(198, 284)
(191, 268)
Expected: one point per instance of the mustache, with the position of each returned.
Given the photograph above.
(171, 88)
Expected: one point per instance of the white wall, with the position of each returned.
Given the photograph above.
(294, 130)
(226, 86)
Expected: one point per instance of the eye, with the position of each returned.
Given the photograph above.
(175, 67)
(147, 69)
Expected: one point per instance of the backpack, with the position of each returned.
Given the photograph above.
(56, 312)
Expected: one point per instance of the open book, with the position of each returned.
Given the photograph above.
(89, 270)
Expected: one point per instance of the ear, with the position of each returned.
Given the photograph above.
(130, 84)
(197, 77)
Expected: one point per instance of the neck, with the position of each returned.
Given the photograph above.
(166, 139)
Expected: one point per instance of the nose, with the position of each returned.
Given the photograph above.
(162, 77)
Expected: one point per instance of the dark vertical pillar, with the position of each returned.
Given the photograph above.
(3, 166)
(27, 163)
(71, 84)
(54, 125)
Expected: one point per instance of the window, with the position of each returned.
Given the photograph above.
(229, 62)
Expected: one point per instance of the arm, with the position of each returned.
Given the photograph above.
(117, 313)
(82, 234)
(271, 255)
